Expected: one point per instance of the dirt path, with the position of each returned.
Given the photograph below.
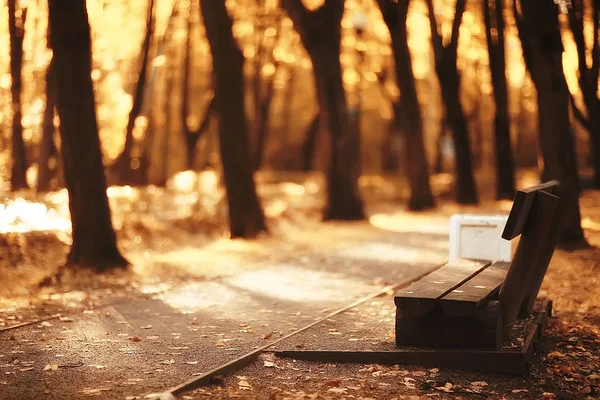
(146, 345)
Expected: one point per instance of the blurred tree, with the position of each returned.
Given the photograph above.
(246, 217)
(539, 31)
(310, 143)
(445, 55)
(126, 166)
(191, 137)
(494, 29)
(16, 29)
(48, 151)
(417, 169)
(266, 66)
(588, 76)
(94, 240)
(320, 33)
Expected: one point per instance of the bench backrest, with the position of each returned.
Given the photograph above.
(534, 217)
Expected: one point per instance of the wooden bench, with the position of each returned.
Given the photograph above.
(473, 303)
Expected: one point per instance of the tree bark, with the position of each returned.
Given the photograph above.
(246, 217)
(94, 240)
(421, 197)
(449, 77)
(588, 78)
(320, 33)
(540, 34)
(16, 28)
(123, 164)
(47, 147)
(494, 29)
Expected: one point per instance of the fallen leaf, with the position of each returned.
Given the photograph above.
(446, 388)
(244, 385)
(12, 337)
(519, 390)
(46, 324)
(269, 364)
(135, 339)
(93, 392)
(220, 343)
(586, 390)
(268, 336)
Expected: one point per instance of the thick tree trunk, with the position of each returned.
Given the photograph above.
(445, 55)
(246, 217)
(540, 32)
(123, 164)
(343, 198)
(18, 178)
(320, 33)
(47, 147)
(494, 24)
(94, 240)
(466, 192)
(417, 169)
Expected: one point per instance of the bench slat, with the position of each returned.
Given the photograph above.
(469, 296)
(521, 207)
(420, 297)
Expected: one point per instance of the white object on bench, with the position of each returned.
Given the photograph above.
(478, 237)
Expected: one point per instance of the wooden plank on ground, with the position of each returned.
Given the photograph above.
(500, 362)
(522, 205)
(469, 296)
(420, 297)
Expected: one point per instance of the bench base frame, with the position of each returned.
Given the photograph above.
(513, 362)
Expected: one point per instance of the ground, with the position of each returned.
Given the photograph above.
(194, 300)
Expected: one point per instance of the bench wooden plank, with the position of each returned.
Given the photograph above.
(533, 246)
(420, 297)
(469, 296)
(521, 207)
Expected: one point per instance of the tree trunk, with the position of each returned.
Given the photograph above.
(494, 28)
(390, 160)
(540, 31)
(94, 240)
(246, 217)
(449, 77)
(18, 178)
(343, 199)
(466, 192)
(123, 164)
(421, 197)
(588, 76)
(310, 143)
(320, 33)
(47, 147)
